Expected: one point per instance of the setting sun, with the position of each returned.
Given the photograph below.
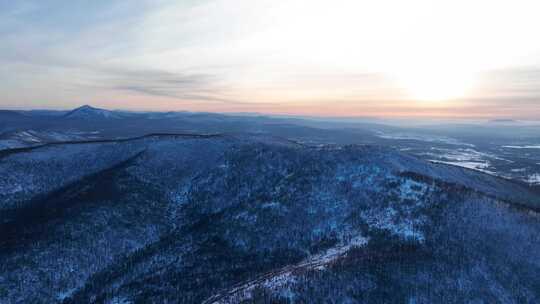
(436, 85)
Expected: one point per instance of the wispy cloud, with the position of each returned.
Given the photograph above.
(298, 56)
(165, 84)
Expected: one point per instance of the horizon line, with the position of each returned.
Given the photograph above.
(284, 114)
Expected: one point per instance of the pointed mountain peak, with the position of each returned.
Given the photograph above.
(89, 112)
(86, 107)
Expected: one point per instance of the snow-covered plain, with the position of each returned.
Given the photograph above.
(423, 137)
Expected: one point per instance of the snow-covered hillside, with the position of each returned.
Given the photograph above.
(226, 219)
(32, 138)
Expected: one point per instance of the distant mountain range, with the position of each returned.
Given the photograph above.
(7, 113)
(87, 122)
(480, 146)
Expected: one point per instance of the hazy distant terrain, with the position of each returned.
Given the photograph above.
(114, 207)
(505, 148)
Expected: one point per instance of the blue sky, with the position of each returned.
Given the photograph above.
(379, 58)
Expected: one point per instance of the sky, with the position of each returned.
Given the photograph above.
(384, 58)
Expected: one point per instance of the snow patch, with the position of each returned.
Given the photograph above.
(466, 158)
(119, 300)
(478, 166)
(390, 220)
(412, 190)
(281, 280)
(533, 179)
(519, 170)
(523, 147)
(65, 294)
(423, 137)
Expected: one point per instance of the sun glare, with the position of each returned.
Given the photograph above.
(436, 85)
(422, 55)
